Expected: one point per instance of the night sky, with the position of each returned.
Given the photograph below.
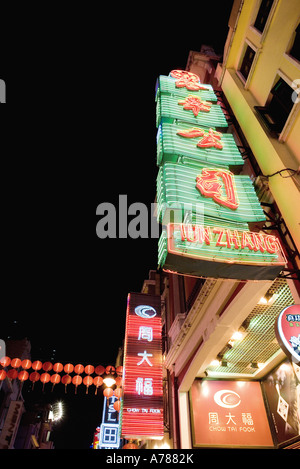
(85, 134)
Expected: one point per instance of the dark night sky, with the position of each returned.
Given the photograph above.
(85, 135)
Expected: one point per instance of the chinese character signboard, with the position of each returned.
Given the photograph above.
(142, 414)
(287, 330)
(218, 192)
(200, 183)
(229, 414)
(218, 252)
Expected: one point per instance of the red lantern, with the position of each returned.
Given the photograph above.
(130, 446)
(119, 370)
(98, 381)
(12, 374)
(34, 377)
(66, 379)
(2, 375)
(89, 370)
(119, 381)
(108, 392)
(45, 378)
(58, 367)
(110, 370)
(88, 381)
(55, 379)
(37, 365)
(69, 368)
(16, 363)
(26, 364)
(117, 406)
(5, 361)
(23, 375)
(79, 369)
(77, 380)
(47, 366)
(99, 370)
(118, 393)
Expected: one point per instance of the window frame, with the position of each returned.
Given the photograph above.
(246, 81)
(283, 133)
(266, 19)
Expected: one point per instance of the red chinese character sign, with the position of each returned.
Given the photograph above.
(287, 330)
(229, 414)
(187, 80)
(210, 182)
(142, 415)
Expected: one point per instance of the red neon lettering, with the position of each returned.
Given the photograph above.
(195, 104)
(191, 133)
(272, 244)
(209, 184)
(233, 238)
(247, 241)
(211, 139)
(219, 240)
(195, 234)
(259, 242)
(187, 80)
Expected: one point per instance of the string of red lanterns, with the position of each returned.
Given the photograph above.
(45, 377)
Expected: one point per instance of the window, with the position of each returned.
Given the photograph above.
(247, 62)
(275, 114)
(295, 50)
(263, 14)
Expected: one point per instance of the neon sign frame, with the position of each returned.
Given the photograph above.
(218, 252)
(142, 412)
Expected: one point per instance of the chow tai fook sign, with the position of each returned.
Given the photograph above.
(219, 252)
(229, 414)
(142, 412)
(287, 330)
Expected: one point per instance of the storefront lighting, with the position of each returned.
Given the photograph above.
(215, 362)
(268, 299)
(256, 365)
(237, 336)
(109, 381)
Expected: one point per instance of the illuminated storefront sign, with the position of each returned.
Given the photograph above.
(142, 414)
(229, 414)
(223, 195)
(197, 184)
(183, 85)
(179, 142)
(218, 252)
(287, 330)
(109, 432)
(191, 108)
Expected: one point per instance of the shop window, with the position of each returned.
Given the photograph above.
(247, 62)
(262, 15)
(295, 50)
(275, 114)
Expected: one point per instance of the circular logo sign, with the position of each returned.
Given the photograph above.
(145, 311)
(226, 398)
(287, 330)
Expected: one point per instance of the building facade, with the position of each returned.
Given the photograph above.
(221, 352)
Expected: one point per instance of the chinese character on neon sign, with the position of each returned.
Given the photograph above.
(195, 104)
(210, 139)
(210, 183)
(187, 80)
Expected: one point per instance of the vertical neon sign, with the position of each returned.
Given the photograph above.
(142, 415)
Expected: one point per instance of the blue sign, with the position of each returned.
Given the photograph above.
(109, 432)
